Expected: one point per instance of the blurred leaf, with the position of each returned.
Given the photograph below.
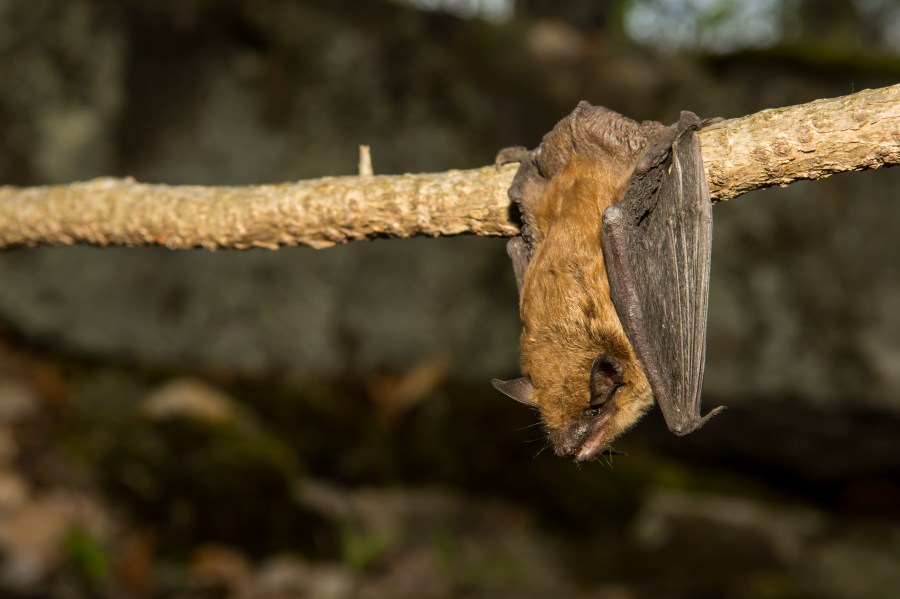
(359, 550)
(87, 554)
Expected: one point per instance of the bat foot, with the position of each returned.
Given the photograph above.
(693, 425)
(511, 154)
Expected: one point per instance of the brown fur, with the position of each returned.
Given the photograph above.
(567, 314)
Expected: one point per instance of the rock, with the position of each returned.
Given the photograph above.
(780, 533)
(8, 446)
(437, 543)
(13, 492)
(856, 565)
(18, 402)
(286, 577)
(191, 399)
(33, 535)
(221, 568)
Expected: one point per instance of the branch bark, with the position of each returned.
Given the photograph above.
(771, 147)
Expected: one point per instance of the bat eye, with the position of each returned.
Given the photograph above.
(606, 377)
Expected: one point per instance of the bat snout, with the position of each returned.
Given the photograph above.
(584, 439)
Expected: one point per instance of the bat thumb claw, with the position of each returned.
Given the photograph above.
(697, 423)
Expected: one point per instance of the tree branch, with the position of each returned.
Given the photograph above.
(771, 147)
(808, 141)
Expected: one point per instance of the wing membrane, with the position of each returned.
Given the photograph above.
(657, 243)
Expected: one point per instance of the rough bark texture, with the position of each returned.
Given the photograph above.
(771, 147)
(318, 212)
(809, 141)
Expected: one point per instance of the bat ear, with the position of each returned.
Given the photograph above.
(519, 389)
(606, 377)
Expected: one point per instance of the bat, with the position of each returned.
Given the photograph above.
(612, 268)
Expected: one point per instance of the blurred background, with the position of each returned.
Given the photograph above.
(305, 423)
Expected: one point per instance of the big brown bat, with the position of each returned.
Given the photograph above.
(613, 272)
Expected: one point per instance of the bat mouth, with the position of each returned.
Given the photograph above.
(596, 440)
(585, 439)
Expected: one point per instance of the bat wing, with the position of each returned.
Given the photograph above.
(657, 243)
(520, 247)
(517, 250)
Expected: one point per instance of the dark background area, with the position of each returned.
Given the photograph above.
(306, 423)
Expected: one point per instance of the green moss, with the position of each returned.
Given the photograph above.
(87, 554)
(360, 550)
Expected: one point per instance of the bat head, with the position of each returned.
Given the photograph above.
(586, 397)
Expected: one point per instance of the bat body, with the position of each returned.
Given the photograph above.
(613, 270)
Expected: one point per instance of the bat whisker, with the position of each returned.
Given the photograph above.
(541, 450)
(528, 426)
(535, 439)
